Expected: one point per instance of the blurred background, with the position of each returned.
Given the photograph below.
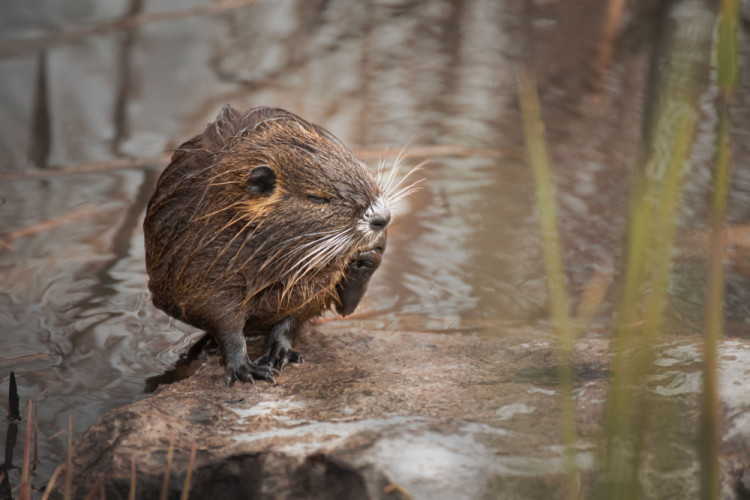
(95, 95)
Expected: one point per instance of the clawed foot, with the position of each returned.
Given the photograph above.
(246, 371)
(277, 352)
(278, 357)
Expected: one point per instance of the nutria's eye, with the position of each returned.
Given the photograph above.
(261, 181)
(317, 199)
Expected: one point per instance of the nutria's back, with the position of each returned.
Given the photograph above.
(257, 220)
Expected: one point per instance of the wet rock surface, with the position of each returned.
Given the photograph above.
(376, 414)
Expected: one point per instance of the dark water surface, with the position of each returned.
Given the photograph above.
(76, 320)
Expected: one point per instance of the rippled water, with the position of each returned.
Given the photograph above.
(76, 320)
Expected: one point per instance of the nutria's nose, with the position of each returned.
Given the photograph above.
(380, 220)
(377, 217)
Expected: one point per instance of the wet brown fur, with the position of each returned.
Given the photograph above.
(224, 260)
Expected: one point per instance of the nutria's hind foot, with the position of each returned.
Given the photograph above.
(278, 349)
(248, 372)
(236, 363)
(205, 346)
(280, 359)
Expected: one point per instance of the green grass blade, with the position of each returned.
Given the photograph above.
(553, 259)
(710, 422)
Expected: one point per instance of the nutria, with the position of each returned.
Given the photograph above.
(259, 224)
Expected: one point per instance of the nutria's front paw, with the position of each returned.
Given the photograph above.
(353, 285)
(248, 372)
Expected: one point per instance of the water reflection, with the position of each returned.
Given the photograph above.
(463, 256)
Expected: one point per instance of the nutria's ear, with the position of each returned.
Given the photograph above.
(228, 124)
(261, 181)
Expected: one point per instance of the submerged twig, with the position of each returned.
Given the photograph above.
(444, 150)
(20, 360)
(434, 151)
(87, 168)
(609, 35)
(43, 226)
(593, 295)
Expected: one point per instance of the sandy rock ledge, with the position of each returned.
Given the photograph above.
(437, 415)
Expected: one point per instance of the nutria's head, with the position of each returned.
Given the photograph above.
(264, 211)
(289, 173)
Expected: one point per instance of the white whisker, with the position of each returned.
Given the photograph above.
(323, 245)
(404, 191)
(274, 259)
(321, 254)
(408, 174)
(402, 155)
(304, 245)
(397, 199)
(381, 167)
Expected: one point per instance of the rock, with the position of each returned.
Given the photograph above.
(387, 415)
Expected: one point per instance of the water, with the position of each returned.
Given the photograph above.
(463, 255)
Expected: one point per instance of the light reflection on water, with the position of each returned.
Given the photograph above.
(463, 256)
